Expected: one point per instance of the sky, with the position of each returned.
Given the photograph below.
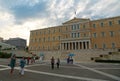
(19, 17)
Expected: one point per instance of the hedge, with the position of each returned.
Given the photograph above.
(108, 61)
(5, 55)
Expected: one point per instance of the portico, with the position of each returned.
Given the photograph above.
(75, 45)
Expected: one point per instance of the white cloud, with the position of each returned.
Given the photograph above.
(55, 12)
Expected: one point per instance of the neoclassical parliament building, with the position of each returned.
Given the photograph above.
(78, 34)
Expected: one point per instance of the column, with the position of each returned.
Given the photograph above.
(69, 46)
(78, 45)
(89, 45)
(63, 46)
(72, 45)
(75, 45)
(86, 47)
(82, 45)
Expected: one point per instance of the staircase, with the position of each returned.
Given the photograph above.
(115, 56)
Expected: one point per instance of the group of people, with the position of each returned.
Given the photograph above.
(53, 62)
(70, 60)
(21, 64)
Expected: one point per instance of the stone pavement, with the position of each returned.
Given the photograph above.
(67, 72)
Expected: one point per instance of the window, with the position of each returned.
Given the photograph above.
(85, 35)
(104, 46)
(118, 21)
(84, 26)
(103, 34)
(58, 37)
(113, 45)
(53, 38)
(39, 39)
(102, 24)
(95, 46)
(35, 39)
(110, 23)
(40, 32)
(94, 35)
(48, 38)
(74, 27)
(94, 26)
(66, 28)
(78, 34)
(111, 33)
(78, 27)
(72, 35)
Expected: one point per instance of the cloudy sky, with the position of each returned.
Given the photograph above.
(18, 17)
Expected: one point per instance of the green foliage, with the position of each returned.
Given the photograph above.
(5, 55)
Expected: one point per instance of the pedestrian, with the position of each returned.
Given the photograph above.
(68, 60)
(58, 63)
(52, 62)
(71, 60)
(12, 63)
(32, 60)
(28, 60)
(22, 65)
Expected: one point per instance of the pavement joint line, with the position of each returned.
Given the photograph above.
(106, 68)
(63, 76)
(68, 66)
(100, 72)
(4, 66)
(4, 69)
(34, 65)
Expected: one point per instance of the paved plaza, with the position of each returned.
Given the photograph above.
(66, 72)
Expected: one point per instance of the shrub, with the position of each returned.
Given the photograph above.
(5, 55)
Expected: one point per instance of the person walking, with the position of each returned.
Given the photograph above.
(28, 60)
(58, 63)
(52, 62)
(68, 60)
(12, 63)
(22, 65)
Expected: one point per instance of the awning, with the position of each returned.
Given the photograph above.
(71, 54)
(41, 54)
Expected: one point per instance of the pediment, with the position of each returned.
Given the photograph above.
(75, 20)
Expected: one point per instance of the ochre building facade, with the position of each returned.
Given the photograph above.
(78, 34)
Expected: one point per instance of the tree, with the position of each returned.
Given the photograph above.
(0, 47)
(26, 49)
